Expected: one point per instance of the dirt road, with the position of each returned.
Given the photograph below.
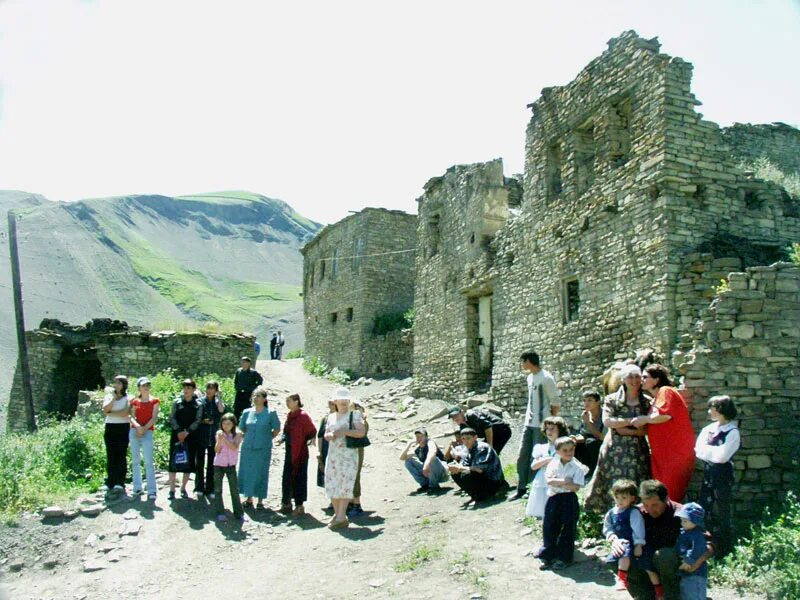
(405, 545)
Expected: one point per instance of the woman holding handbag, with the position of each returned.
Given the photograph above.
(184, 418)
(354, 507)
(341, 466)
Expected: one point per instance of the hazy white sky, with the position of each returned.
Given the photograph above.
(333, 106)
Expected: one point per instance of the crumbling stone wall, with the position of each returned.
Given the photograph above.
(777, 142)
(459, 215)
(354, 271)
(117, 350)
(748, 347)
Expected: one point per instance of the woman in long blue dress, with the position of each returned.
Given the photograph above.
(260, 425)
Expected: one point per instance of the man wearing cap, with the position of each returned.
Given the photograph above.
(662, 526)
(425, 461)
(479, 473)
(245, 381)
(488, 426)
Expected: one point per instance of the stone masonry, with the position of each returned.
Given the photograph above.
(777, 142)
(355, 273)
(65, 359)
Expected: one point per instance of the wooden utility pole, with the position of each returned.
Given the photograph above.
(27, 392)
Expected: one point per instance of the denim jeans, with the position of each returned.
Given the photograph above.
(437, 476)
(693, 587)
(139, 445)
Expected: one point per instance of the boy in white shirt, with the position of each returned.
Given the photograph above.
(564, 477)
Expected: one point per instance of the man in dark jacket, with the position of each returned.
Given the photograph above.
(490, 427)
(272, 346)
(245, 381)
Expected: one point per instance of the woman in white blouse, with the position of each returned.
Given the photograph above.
(117, 409)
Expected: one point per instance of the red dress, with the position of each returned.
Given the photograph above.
(672, 443)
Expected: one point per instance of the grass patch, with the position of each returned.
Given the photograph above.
(590, 525)
(417, 558)
(297, 353)
(510, 471)
(319, 368)
(768, 559)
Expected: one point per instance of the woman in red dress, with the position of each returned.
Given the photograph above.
(669, 432)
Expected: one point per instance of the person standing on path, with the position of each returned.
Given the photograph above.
(244, 382)
(341, 466)
(490, 427)
(143, 421)
(279, 342)
(543, 401)
(206, 439)
(260, 426)
(117, 409)
(298, 432)
(354, 506)
(184, 418)
(226, 454)
(272, 342)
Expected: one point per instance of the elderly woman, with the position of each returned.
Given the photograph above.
(298, 433)
(624, 453)
(341, 466)
(260, 426)
(669, 431)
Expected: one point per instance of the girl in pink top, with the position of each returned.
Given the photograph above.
(226, 456)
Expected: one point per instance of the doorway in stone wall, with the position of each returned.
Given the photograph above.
(479, 342)
(78, 368)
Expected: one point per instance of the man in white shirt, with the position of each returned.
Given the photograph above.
(543, 402)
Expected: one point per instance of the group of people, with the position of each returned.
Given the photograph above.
(638, 444)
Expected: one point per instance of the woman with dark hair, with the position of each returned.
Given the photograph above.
(669, 432)
(298, 433)
(260, 426)
(117, 409)
(623, 453)
(592, 431)
(212, 408)
(184, 418)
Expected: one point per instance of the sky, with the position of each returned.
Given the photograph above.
(335, 106)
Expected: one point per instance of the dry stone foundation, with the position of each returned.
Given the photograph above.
(65, 359)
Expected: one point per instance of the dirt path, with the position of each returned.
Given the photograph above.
(405, 546)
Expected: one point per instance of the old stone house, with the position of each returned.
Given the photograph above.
(358, 282)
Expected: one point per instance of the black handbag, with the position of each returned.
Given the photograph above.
(352, 442)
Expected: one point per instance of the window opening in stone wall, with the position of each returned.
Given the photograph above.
(571, 299)
(334, 263)
(585, 151)
(553, 171)
(311, 275)
(334, 318)
(472, 238)
(350, 315)
(618, 133)
(433, 235)
(322, 270)
(752, 200)
(357, 255)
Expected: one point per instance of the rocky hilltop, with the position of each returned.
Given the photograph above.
(223, 259)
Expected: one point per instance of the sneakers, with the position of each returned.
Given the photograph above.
(546, 565)
(212, 496)
(137, 492)
(151, 496)
(184, 494)
(199, 495)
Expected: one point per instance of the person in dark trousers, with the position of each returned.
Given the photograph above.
(661, 530)
(272, 343)
(244, 382)
(206, 439)
(543, 401)
(117, 410)
(488, 426)
(279, 342)
(298, 432)
(479, 473)
(184, 419)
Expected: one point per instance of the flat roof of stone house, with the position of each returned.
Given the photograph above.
(328, 228)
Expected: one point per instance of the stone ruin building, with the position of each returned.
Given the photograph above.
(631, 211)
(358, 282)
(65, 359)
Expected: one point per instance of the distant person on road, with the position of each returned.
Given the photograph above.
(543, 402)
(260, 426)
(489, 426)
(256, 349)
(206, 439)
(244, 382)
(117, 409)
(425, 461)
(143, 420)
(279, 342)
(184, 418)
(479, 473)
(298, 433)
(228, 438)
(272, 344)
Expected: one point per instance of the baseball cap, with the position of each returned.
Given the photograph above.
(142, 381)
(421, 430)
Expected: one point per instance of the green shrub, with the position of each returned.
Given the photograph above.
(318, 368)
(389, 322)
(297, 353)
(794, 253)
(768, 559)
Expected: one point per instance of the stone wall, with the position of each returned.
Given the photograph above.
(355, 271)
(748, 347)
(109, 351)
(778, 142)
(459, 215)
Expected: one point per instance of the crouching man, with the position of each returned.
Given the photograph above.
(479, 473)
(425, 461)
